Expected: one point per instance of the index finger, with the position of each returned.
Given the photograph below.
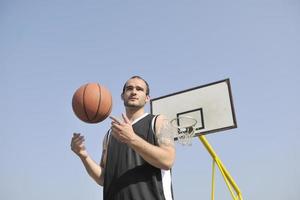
(115, 119)
(125, 118)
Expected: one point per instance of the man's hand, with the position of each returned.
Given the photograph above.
(122, 130)
(77, 145)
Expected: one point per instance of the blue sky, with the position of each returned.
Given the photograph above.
(50, 48)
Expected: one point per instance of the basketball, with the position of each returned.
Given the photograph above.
(92, 103)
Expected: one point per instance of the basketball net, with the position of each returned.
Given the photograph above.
(185, 129)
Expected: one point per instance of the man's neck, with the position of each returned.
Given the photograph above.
(134, 114)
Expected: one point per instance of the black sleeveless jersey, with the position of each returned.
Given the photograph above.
(128, 176)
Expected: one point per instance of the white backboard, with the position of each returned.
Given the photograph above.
(211, 105)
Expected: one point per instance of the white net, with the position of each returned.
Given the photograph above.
(185, 129)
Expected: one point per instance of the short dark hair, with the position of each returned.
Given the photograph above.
(147, 85)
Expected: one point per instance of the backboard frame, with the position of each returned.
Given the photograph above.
(196, 110)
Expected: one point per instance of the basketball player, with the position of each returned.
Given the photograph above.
(137, 156)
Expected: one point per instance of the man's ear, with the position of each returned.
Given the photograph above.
(147, 98)
(122, 96)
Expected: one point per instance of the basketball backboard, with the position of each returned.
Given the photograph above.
(211, 105)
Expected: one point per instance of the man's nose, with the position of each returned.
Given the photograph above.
(133, 91)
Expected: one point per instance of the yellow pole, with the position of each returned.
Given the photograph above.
(213, 181)
(226, 180)
(224, 171)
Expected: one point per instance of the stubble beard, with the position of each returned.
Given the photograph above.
(133, 106)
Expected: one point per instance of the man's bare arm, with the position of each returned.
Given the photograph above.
(94, 170)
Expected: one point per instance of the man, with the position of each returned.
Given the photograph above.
(137, 155)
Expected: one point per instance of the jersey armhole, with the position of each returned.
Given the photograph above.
(106, 138)
(153, 124)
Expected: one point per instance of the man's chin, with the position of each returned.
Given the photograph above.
(131, 105)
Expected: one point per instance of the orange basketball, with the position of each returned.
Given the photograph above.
(92, 103)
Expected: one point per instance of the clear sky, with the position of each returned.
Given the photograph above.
(50, 48)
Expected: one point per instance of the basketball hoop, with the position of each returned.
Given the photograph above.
(185, 126)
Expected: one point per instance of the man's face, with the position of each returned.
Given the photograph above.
(135, 93)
